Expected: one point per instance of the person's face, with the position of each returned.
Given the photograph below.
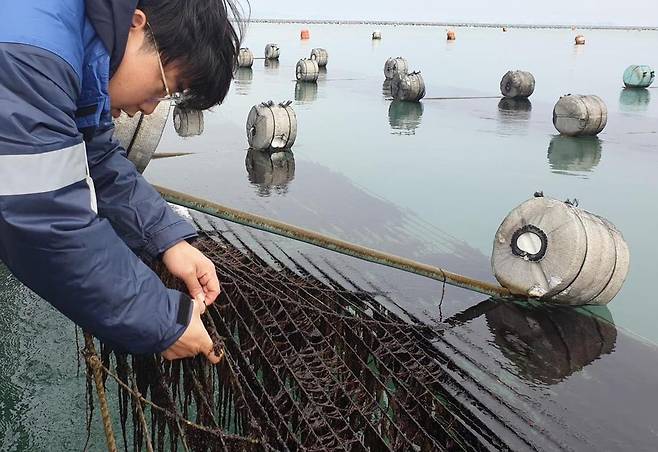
(138, 82)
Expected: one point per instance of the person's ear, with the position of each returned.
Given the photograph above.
(139, 19)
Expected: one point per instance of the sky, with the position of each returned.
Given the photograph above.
(585, 12)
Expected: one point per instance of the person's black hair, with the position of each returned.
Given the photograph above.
(202, 38)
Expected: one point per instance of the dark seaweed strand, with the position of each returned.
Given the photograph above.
(417, 405)
(305, 368)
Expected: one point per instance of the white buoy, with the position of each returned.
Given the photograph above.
(408, 87)
(376, 34)
(245, 58)
(554, 251)
(141, 134)
(580, 115)
(188, 123)
(395, 66)
(320, 56)
(272, 126)
(272, 52)
(307, 70)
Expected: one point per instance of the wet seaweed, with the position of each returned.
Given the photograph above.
(307, 366)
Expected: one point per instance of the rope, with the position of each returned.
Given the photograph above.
(96, 365)
(140, 414)
(333, 244)
(138, 396)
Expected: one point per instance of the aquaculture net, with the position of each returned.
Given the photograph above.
(308, 365)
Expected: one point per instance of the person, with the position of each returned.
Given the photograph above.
(75, 215)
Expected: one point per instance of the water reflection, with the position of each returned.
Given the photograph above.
(574, 156)
(634, 99)
(514, 108)
(243, 77)
(322, 71)
(386, 89)
(270, 172)
(405, 117)
(306, 92)
(272, 64)
(547, 344)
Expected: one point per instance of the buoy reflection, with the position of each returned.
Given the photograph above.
(270, 172)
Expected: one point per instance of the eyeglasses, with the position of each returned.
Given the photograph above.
(169, 97)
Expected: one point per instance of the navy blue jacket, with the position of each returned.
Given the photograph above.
(74, 213)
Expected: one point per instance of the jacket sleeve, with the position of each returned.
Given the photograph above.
(50, 235)
(137, 212)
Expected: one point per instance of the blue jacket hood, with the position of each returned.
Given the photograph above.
(111, 20)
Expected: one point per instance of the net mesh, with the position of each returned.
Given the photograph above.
(308, 365)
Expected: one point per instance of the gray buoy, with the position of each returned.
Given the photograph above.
(272, 52)
(517, 84)
(551, 250)
(395, 66)
(307, 70)
(320, 56)
(141, 134)
(408, 87)
(272, 126)
(580, 115)
(188, 123)
(245, 58)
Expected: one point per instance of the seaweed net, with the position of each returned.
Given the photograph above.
(308, 365)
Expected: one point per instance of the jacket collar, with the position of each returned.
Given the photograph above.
(111, 20)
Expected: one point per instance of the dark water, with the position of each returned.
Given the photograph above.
(429, 181)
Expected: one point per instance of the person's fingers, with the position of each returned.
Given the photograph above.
(211, 285)
(193, 286)
(214, 357)
(199, 306)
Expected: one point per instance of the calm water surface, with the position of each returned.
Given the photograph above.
(430, 181)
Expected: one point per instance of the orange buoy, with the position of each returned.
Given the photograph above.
(305, 34)
(580, 40)
(451, 35)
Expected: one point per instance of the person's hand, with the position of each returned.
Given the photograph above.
(194, 340)
(194, 269)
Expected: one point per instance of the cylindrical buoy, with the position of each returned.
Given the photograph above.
(451, 36)
(376, 34)
(188, 123)
(272, 51)
(395, 66)
(517, 84)
(307, 70)
(245, 58)
(409, 87)
(580, 40)
(305, 34)
(141, 134)
(580, 115)
(320, 56)
(554, 251)
(272, 126)
(639, 76)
